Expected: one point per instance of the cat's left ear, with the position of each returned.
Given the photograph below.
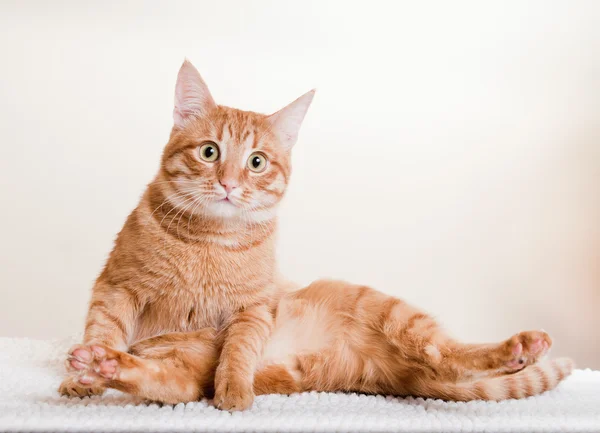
(286, 122)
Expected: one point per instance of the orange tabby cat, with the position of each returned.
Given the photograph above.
(198, 251)
(191, 291)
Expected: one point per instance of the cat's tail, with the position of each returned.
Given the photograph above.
(532, 380)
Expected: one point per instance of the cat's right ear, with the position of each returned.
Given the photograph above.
(192, 97)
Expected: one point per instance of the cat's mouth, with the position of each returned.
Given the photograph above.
(225, 207)
(228, 200)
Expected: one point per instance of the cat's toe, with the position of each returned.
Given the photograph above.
(74, 364)
(82, 353)
(108, 368)
(527, 348)
(79, 358)
(539, 347)
(98, 351)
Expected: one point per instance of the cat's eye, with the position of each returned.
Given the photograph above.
(257, 162)
(209, 152)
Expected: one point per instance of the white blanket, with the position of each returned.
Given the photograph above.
(31, 370)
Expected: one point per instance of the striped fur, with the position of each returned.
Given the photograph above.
(533, 380)
(335, 336)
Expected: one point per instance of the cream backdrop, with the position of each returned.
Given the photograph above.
(451, 155)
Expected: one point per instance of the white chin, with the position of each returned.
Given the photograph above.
(223, 209)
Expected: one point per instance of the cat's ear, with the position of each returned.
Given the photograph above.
(286, 122)
(192, 97)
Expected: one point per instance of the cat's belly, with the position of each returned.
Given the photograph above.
(300, 329)
(320, 345)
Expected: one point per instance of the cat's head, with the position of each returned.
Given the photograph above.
(226, 163)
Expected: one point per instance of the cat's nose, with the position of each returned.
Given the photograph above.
(229, 184)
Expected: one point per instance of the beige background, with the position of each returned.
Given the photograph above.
(451, 157)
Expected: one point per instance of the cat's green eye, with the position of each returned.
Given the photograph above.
(257, 162)
(209, 152)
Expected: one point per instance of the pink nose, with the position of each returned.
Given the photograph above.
(229, 184)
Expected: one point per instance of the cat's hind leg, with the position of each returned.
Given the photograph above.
(420, 338)
(444, 368)
(170, 368)
(514, 354)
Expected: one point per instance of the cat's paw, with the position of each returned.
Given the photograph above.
(233, 394)
(93, 365)
(70, 387)
(527, 348)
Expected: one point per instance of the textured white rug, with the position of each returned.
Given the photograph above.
(31, 370)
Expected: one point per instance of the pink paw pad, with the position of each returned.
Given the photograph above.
(82, 355)
(519, 361)
(107, 368)
(77, 365)
(536, 347)
(517, 350)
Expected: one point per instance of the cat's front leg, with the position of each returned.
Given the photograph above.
(243, 347)
(110, 322)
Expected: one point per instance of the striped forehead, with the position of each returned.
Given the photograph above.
(237, 136)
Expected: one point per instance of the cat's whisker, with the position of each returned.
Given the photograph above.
(167, 230)
(199, 201)
(196, 199)
(193, 214)
(180, 194)
(171, 210)
(203, 200)
(182, 209)
(193, 182)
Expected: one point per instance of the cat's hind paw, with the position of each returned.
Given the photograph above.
(527, 348)
(93, 365)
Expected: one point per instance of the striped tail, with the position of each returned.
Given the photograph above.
(532, 380)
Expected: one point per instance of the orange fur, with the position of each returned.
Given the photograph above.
(190, 303)
(335, 336)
